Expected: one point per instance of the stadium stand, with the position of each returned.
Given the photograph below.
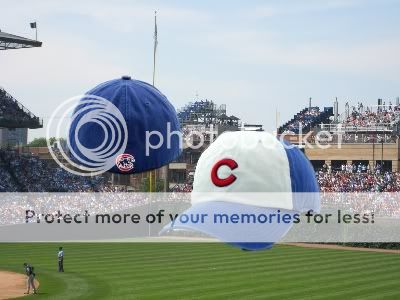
(14, 115)
(306, 119)
(182, 188)
(361, 133)
(358, 178)
(366, 119)
(11, 41)
(7, 184)
(352, 178)
(361, 147)
(27, 173)
(385, 115)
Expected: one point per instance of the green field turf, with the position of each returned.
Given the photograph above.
(205, 271)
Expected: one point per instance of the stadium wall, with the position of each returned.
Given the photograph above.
(355, 152)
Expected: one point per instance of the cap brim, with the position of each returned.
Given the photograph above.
(240, 230)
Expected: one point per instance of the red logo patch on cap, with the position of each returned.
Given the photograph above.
(221, 182)
(125, 162)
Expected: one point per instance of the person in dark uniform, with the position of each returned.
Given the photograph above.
(29, 270)
(60, 259)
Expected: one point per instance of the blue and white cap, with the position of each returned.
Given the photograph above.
(116, 132)
(252, 188)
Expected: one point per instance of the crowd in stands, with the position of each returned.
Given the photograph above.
(27, 173)
(355, 119)
(11, 109)
(361, 117)
(358, 178)
(182, 188)
(376, 185)
(6, 182)
(356, 138)
(13, 206)
(349, 178)
(302, 120)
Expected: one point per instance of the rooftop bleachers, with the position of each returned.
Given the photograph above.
(306, 119)
(384, 119)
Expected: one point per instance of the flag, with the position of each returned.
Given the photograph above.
(33, 25)
(155, 46)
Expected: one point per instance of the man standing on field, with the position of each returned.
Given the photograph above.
(60, 259)
(31, 278)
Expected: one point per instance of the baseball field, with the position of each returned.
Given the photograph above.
(205, 271)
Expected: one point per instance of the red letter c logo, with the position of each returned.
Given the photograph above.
(221, 182)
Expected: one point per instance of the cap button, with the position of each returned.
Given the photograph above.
(126, 77)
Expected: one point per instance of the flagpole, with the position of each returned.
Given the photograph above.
(155, 46)
(34, 26)
(154, 75)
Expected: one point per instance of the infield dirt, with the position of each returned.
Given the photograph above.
(13, 285)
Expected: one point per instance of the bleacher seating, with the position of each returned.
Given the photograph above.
(14, 115)
(360, 117)
(27, 173)
(306, 119)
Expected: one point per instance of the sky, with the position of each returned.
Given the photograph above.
(254, 56)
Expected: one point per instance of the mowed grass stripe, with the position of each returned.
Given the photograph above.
(284, 267)
(232, 264)
(293, 286)
(92, 257)
(325, 283)
(169, 261)
(233, 290)
(364, 288)
(209, 279)
(74, 285)
(381, 295)
(179, 249)
(289, 280)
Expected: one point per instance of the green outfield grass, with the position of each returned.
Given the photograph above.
(205, 271)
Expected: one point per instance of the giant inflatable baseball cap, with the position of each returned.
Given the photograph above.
(252, 176)
(144, 109)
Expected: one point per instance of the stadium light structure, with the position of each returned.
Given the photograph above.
(11, 41)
